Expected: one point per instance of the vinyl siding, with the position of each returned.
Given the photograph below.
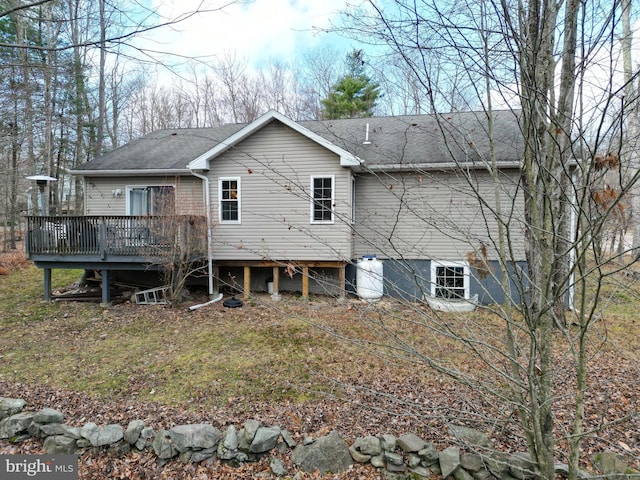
(434, 215)
(99, 199)
(275, 166)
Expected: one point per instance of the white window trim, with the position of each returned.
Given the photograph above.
(312, 202)
(445, 263)
(230, 222)
(128, 189)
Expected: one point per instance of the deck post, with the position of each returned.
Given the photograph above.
(47, 284)
(216, 280)
(341, 281)
(305, 282)
(247, 282)
(106, 294)
(276, 283)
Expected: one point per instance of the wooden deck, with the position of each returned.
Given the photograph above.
(112, 238)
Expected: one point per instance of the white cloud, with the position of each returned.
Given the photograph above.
(255, 31)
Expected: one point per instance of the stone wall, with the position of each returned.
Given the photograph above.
(406, 456)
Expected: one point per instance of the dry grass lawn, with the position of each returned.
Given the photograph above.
(310, 365)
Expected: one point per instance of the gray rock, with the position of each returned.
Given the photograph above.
(277, 467)
(34, 430)
(101, 436)
(429, 454)
(327, 454)
(507, 476)
(388, 442)
(357, 456)
(53, 429)
(230, 438)
(497, 463)
(83, 443)
(163, 445)
(146, 438)
(470, 436)
(378, 461)
(10, 406)
(562, 469)
(202, 455)
(393, 459)
(611, 465)
(411, 443)
(89, 431)
(449, 460)
(421, 472)
(483, 474)
(392, 467)
(119, 448)
(471, 462)
(243, 444)
(132, 433)
(226, 454)
(250, 429)
(521, 466)
(196, 436)
(185, 457)
(462, 474)
(73, 432)
(15, 424)
(59, 445)
(48, 415)
(414, 460)
(265, 439)
(368, 445)
(288, 439)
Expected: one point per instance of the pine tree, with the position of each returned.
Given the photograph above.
(355, 94)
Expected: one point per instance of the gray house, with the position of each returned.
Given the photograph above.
(293, 206)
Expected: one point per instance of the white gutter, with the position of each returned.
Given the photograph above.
(399, 167)
(141, 172)
(207, 202)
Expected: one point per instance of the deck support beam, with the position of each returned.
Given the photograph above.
(106, 293)
(276, 283)
(305, 282)
(47, 284)
(247, 282)
(302, 267)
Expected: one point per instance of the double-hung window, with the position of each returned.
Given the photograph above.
(450, 280)
(322, 191)
(229, 199)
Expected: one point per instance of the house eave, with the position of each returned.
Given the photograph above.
(127, 173)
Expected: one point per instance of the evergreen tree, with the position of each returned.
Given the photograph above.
(355, 95)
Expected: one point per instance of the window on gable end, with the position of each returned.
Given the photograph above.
(322, 192)
(229, 200)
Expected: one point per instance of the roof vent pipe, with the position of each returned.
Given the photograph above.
(366, 136)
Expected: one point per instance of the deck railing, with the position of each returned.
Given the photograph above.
(103, 236)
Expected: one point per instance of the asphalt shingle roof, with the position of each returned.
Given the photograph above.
(408, 140)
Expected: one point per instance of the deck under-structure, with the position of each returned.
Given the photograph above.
(108, 243)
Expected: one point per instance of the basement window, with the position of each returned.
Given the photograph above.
(449, 280)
